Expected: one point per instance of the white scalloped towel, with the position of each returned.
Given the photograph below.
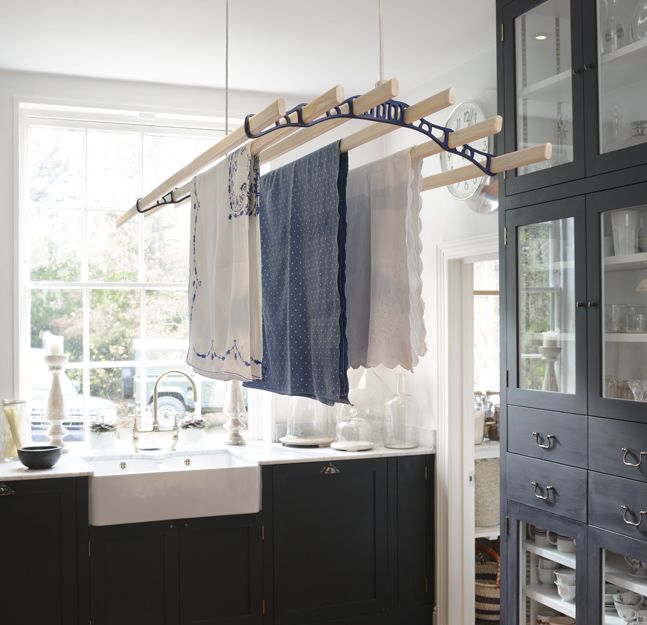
(384, 307)
(225, 316)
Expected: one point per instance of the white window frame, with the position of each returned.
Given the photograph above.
(33, 114)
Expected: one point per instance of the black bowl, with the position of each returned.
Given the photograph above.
(39, 456)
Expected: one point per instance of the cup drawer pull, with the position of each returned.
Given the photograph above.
(626, 510)
(547, 491)
(330, 469)
(625, 453)
(5, 490)
(550, 439)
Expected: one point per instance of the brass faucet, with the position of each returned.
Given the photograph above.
(156, 424)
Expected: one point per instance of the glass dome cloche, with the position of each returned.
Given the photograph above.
(353, 432)
(309, 424)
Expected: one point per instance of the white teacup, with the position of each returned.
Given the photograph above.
(626, 612)
(566, 591)
(565, 576)
(546, 576)
(563, 543)
(628, 597)
(638, 567)
(545, 563)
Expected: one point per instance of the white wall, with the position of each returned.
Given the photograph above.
(445, 218)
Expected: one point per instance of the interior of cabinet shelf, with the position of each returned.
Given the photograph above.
(625, 66)
(613, 619)
(625, 337)
(624, 263)
(555, 88)
(617, 572)
(546, 594)
(551, 553)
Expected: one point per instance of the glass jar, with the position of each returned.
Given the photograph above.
(353, 431)
(14, 429)
(309, 424)
(400, 415)
(639, 24)
(639, 133)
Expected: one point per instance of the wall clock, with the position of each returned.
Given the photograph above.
(480, 193)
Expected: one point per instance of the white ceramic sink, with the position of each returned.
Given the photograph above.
(179, 486)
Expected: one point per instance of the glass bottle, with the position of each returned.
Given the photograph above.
(639, 24)
(639, 133)
(400, 416)
(614, 32)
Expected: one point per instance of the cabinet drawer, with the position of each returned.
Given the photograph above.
(616, 504)
(556, 436)
(614, 446)
(548, 486)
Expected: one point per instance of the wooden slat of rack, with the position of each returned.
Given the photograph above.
(310, 111)
(364, 103)
(269, 115)
(513, 160)
(417, 111)
(486, 128)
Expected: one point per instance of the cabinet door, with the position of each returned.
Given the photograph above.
(546, 286)
(617, 284)
(547, 567)
(617, 578)
(330, 541)
(38, 576)
(134, 574)
(221, 572)
(543, 89)
(616, 84)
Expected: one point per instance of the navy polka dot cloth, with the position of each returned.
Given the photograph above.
(303, 235)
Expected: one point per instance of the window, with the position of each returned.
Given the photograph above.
(117, 296)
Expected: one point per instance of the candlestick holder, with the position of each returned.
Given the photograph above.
(56, 411)
(550, 356)
(234, 409)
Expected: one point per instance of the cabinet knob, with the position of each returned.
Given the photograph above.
(638, 523)
(550, 438)
(577, 71)
(625, 453)
(330, 469)
(548, 490)
(5, 490)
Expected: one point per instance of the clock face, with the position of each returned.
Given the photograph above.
(464, 115)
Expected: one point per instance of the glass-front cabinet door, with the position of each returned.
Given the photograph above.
(542, 60)
(546, 555)
(618, 574)
(617, 224)
(620, 121)
(546, 253)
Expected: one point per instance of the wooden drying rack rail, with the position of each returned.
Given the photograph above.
(278, 132)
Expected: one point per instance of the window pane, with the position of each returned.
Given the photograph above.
(167, 326)
(486, 275)
(56, 165)
(166, 245)
(164, 156)
(111, 394)
(61, 312)
(114, 324)
(546, 257)
(112, 251)
(55, 242)
(114, 178)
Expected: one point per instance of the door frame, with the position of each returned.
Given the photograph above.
(451, 582)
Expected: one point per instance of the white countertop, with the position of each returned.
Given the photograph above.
(72, 464)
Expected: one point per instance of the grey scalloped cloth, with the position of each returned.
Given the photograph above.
(303, 233)
(383, 266)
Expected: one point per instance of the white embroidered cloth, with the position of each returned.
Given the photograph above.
(384, 307)
(225, 319)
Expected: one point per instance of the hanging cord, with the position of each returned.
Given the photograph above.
(380, 11)
(227, 67)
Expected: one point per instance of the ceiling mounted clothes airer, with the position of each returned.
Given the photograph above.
(275, 131)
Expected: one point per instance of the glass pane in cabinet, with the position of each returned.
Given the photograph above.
(622, 62)
(544, 81)
(624, 298)
(547, 565)
(546, 296)
(624, 591)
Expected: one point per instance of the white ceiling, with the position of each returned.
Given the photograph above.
(285, 46)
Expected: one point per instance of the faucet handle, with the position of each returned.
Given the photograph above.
(176, 432)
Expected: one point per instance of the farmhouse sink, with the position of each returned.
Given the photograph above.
(179, 486)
